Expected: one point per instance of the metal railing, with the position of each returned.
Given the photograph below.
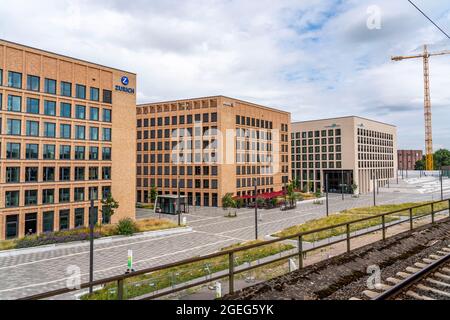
(231, 253)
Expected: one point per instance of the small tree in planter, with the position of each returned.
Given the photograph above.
(153, 194)
(109, 207)
(354, 188)
(229, 203)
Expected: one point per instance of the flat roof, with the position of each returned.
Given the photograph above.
(345, 117)
(212, 97)
(64, 56)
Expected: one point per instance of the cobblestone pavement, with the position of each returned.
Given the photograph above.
(31, 273)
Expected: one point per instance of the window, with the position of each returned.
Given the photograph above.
(64, 152)
(79, 194)
(93, 153)
(64, 195)
(48, 221)
(49, 174)
(13, 151)
(31, 174)
(79, 174)
(80, 91)
(94, 94)
(48, 196)
(65, 131)
(79, 216)
(33, 83)
(64, 216)
(106, 154)
(12, 199)
(93, 133)
(32, 106)
(13, 175)
(66, 110)
(1, 77)
(107, 96)
(14, 127)
(106, 134)
(32, 128)
(107, 115)
(50, 86)
(66, 89)
(14, 103)
(106, 173)
(80, 132)
(80, 153)
(93, 193)
(32, 152)
(12, 226)
(49, 130)
(94, 114)
(50, 108)
(31, 197)
(49, 152)
(93, 173)
(80, 112)
(64, 174)
(14, 80)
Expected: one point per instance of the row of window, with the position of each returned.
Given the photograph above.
(318, 165)
(375, 134)
(252, 122)
(13, 152)
(177, 120)
(375, 164)
(33, 106)
(184, 158)
(178, 170)
(15, 80)
(182, 183)
(66, 174)
(252, 170)
(175, 145)
(316, 150)
(249, 182)
(32, 129)
(12, 198)
(183, 134)
(193, 199)
(316, 134)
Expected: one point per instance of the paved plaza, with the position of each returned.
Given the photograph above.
(43, 270)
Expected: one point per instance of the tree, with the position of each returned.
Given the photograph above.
(109, 207)
(291, 195)
(420, 165)
(228, 202)
(296, 184)
(441, 159)
(153, 194)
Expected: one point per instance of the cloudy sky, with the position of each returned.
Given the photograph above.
(313, 58)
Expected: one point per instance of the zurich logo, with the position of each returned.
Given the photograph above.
(125, 81)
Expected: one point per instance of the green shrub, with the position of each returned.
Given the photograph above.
(126, 227)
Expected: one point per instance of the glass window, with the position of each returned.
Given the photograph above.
(13, 151)
(93, 173)
(106, 134)
(79, 174)
(80, 91)
(107, 115)
(94, 94)
(94, 114)
(50, 86)
(66, 110)
(31, 174)
(93, 133)
(32, 106)
(13, 175)
(32, 152)
(65, 131)
(80, 112)
(80, 153)
(12, 226)
(48, 221)
(80, 132)
(106, 154)
(64, 195)
(31, 197)
(49, 152)
(64, 218)
(48, 196)
(49, 108)
(106, 173)
(79, 196)
(12, 199)
(14, 103)
(14, 80)
(33, 83)
(66, 89)
(14, 127)
(93, 153)
(107, 96)
(49, 130)
(1, 77)
(49, 174)
(64, 152)
(32, 128)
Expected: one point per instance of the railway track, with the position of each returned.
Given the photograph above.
(427, 279)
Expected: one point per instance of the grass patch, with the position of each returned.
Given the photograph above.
(356, 214)
(145, 284)
(145, 206)
(82, 234)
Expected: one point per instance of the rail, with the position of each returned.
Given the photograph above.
(231, 253)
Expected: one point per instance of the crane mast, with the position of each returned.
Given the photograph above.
(427, 100)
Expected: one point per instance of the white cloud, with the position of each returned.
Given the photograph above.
(313, 58)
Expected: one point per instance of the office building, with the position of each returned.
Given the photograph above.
(407, 159)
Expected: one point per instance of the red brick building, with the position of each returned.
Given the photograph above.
(407, 159)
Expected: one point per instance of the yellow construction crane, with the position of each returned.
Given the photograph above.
(428, 120)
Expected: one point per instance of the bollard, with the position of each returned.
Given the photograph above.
(300, 252)
(348, 238)
(231, 272)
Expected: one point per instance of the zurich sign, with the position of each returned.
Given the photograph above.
(125, 81)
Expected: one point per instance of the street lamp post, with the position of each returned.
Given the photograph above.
(326, 192)
(374, 192)
(178, 202)
(442, 189)
(342, 185)
(91, 247)
(256, 208)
